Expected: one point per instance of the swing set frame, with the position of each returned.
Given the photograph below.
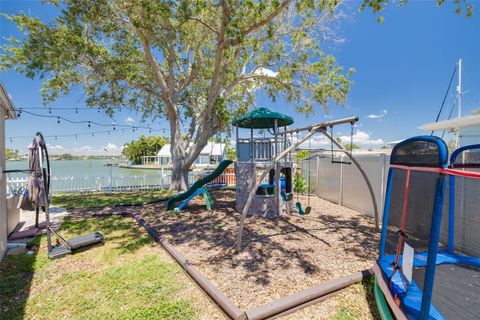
(311, 131)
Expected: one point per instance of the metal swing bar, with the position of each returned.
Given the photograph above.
(362, 172)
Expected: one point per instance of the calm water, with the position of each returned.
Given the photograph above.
(82, 168)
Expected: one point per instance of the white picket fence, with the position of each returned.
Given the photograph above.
(70, 184)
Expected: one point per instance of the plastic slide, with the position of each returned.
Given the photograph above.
(198, 184)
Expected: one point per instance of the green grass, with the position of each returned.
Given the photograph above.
(124, 278)
(100, 199)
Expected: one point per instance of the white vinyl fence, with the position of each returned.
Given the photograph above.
(343, 183)
(72, 184)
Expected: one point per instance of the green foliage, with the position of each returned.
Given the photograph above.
(231, 153)
(302, 154)
(144, 146)
(196, 63)
(66, 156)
(12, 154)
(350, 147)
(463, 7)
(299, 185)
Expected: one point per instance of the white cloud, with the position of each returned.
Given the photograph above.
(360, 138)
(378, 116)
(56, 147)
(129, 120)
(111, 146)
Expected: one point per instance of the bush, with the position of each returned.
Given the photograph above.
(299, 183)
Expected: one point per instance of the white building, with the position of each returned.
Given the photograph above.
(211, 155)
(7, 111)
(467, 129)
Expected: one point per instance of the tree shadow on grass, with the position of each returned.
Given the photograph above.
(124, 232)
(16, 274)
(368, 283)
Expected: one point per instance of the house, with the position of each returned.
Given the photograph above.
(211, 155)
(7, 111)
(466, 129)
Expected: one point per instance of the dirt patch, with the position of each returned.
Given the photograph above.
(282, 256)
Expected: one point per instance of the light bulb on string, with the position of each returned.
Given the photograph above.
(89, 124)
(11, 140)
(55, 137)
(49, 110)
(113, 127)
(93, 134)
(149, 130)
(76, 110)
(58, 119)
(76, 137)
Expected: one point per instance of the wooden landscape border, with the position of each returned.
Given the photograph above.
(274, 309)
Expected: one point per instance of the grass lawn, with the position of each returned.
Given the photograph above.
(127, 277)
(101, 199)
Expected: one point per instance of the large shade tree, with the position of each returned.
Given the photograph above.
(196, 63)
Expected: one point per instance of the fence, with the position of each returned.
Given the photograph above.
(343, 183)
(72, 184)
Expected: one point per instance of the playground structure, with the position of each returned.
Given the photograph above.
(273, 157)
(429, 261)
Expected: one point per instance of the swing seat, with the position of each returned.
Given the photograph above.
(301, 211)
(341, 162)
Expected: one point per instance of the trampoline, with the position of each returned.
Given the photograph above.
(429, 260)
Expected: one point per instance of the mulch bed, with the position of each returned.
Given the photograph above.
(280, 257)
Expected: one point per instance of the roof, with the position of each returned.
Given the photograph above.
(262, 118)
(165, 151)
(7, 103)
(213, 149)
(453, 124)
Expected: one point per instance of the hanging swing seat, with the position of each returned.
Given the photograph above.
(301, 211)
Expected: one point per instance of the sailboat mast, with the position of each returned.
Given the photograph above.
(459, 99)
(459, 88)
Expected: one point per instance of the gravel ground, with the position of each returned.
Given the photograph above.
(280, 257)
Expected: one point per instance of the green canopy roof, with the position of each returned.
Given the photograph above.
(262, 118)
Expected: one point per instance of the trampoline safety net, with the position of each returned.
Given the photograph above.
(430, 245)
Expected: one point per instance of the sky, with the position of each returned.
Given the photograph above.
(403, 67)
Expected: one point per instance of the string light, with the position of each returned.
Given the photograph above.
(90, 123)
(50, 110)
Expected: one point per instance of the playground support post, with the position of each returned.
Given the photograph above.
(312, 130)
(364, 175)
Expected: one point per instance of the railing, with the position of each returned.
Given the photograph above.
(110, 184)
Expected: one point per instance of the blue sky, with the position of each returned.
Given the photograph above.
(403, 68)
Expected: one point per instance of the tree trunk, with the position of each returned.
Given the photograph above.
(179, 174)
